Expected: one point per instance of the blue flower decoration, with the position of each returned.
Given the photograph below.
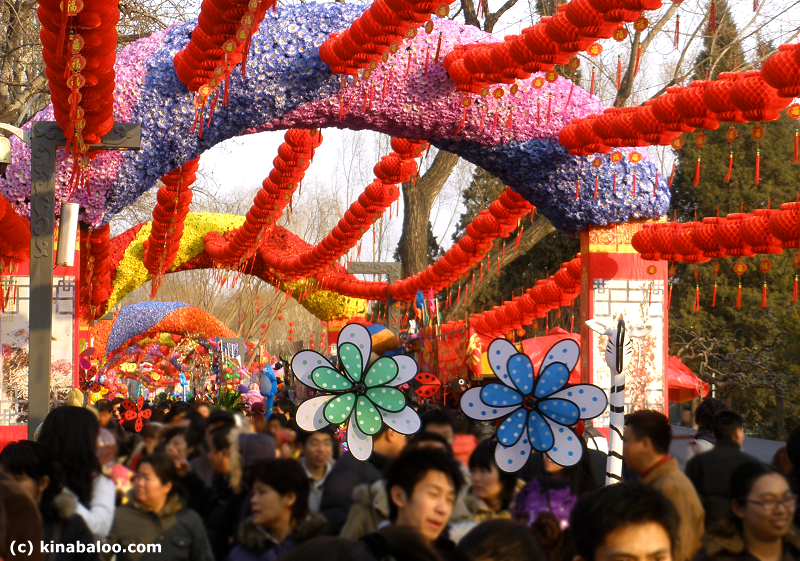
(538, 411)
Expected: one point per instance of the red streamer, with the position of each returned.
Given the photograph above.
(677, 31)
(758, 165)
(671, 175)
(596, 185)
(697, 172)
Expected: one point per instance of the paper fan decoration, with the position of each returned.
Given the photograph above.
(365, 398)
(135, 411)
(538, 411)
(428, 384)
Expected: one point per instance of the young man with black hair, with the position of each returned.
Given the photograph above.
(318, 449)
(422, 485)
(624, 522)
(704, 417)
(710, 472)
(646, 451)
(440, 421)
(348, 473)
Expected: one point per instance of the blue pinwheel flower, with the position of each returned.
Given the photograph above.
(538, 411)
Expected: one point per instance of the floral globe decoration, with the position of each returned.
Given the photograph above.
(365, 397)
(537, 411)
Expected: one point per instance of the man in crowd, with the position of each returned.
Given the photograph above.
(422, 485)
(626, 521)
(646, 443)
(440, 421)
(349, 473)
(710, 472)
(319, 449)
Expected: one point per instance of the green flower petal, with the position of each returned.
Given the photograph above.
(339, 408)
(382, 371)
(350, 357)
(367, 416)
(389, 399)
(330, 380)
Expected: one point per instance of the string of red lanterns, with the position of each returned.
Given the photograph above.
(219, 42)
(95, 273)
(294, 157)
(378, 32)
(15, 236)
(172, 206)
(79, 39)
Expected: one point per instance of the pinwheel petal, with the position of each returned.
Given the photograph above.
(382, 371)
(512, 428)
(473, 407)
(500, 350)
(551, 379)
(311, 414)
(498, 395)
(567, 449)
(561, 411)
(566, 351)
(513, 458)
(521, 371)
(388, 399)
(591, 400)
(303, 365)
(540, 433)
(338, 409)
(406, 370)
(405, 421)
(360, 444)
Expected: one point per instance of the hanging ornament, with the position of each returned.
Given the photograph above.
(795, 262)
(758, 134)
(676, 144)
(765, 266)
(635, 157)
(740, 268)
(619, 71)
(677, 31)
(595, 49)
(696, 291)
(551, 76)
(641, 24)
(597, 163)
(730, 136)
(616, 157)
(699, 142)
(714, 296)
(620, 34)
(712, 18)
(671, 275)
(538, 82)
(793, 112)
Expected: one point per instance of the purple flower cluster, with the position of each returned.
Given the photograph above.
(514, 136)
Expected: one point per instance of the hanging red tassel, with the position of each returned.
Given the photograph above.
(596, 185)
(481, 276)
(614, 184)
(427, 58)
(730, 168)
(498, 266)
(669, 298)
(458, 297)
(696, 292)
(739, 295)
(764, 295)
(755, 5)
(569, 97)
(655, 186)
(578, 189)
(638, 58)
(591, 89)
(794, 292)
(796, 143)
(677, 31)
(697, 172)
(438, 49)
(503, 253)
(510, 118)
(619, 71)
(519, 237)
(549, 105)
(671, 175)
(714, 296)
(473, 281)
(712, 18)
(758, 165)
(634, 185)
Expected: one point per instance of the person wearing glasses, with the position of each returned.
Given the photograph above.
(759, 523)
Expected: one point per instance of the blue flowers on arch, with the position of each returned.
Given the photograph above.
(538, 412)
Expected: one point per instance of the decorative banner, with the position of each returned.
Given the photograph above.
(538, 411)
(369, 390)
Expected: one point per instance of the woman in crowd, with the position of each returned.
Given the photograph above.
(492, 489)
(280, 514)
(26, 463)
(69, 439)
(157, 514)
(759, 525)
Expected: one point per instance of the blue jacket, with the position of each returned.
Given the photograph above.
(255, 543)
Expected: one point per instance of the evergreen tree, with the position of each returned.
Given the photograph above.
(751, 326)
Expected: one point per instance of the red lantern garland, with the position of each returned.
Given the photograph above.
(95, 272)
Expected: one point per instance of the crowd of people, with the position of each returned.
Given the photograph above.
(204, 484)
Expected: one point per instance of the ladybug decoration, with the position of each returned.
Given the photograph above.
(429, 385)
(134, 411)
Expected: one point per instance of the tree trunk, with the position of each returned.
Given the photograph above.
(780, 416)
(530, 237)
(417, 203)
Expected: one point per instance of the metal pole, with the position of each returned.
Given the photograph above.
(46, 138)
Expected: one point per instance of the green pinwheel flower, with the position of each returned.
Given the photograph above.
(364, 397)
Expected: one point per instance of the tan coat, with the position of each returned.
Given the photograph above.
(668, 480)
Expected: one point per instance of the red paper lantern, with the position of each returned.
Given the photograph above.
(683, 244)
(642, 242)
(690, 105)
(782, 71)
(785, 225)
(757, 100)
(755, 232)
(703, 237)
(665, 111)
(727, 235)
(661, 238)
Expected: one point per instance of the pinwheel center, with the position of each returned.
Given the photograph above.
(529, 402)
(360, 388)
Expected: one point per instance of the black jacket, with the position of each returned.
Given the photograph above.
(176, 529)
(62, 527)
(724, 543)
(710, 473)
(337, 493)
